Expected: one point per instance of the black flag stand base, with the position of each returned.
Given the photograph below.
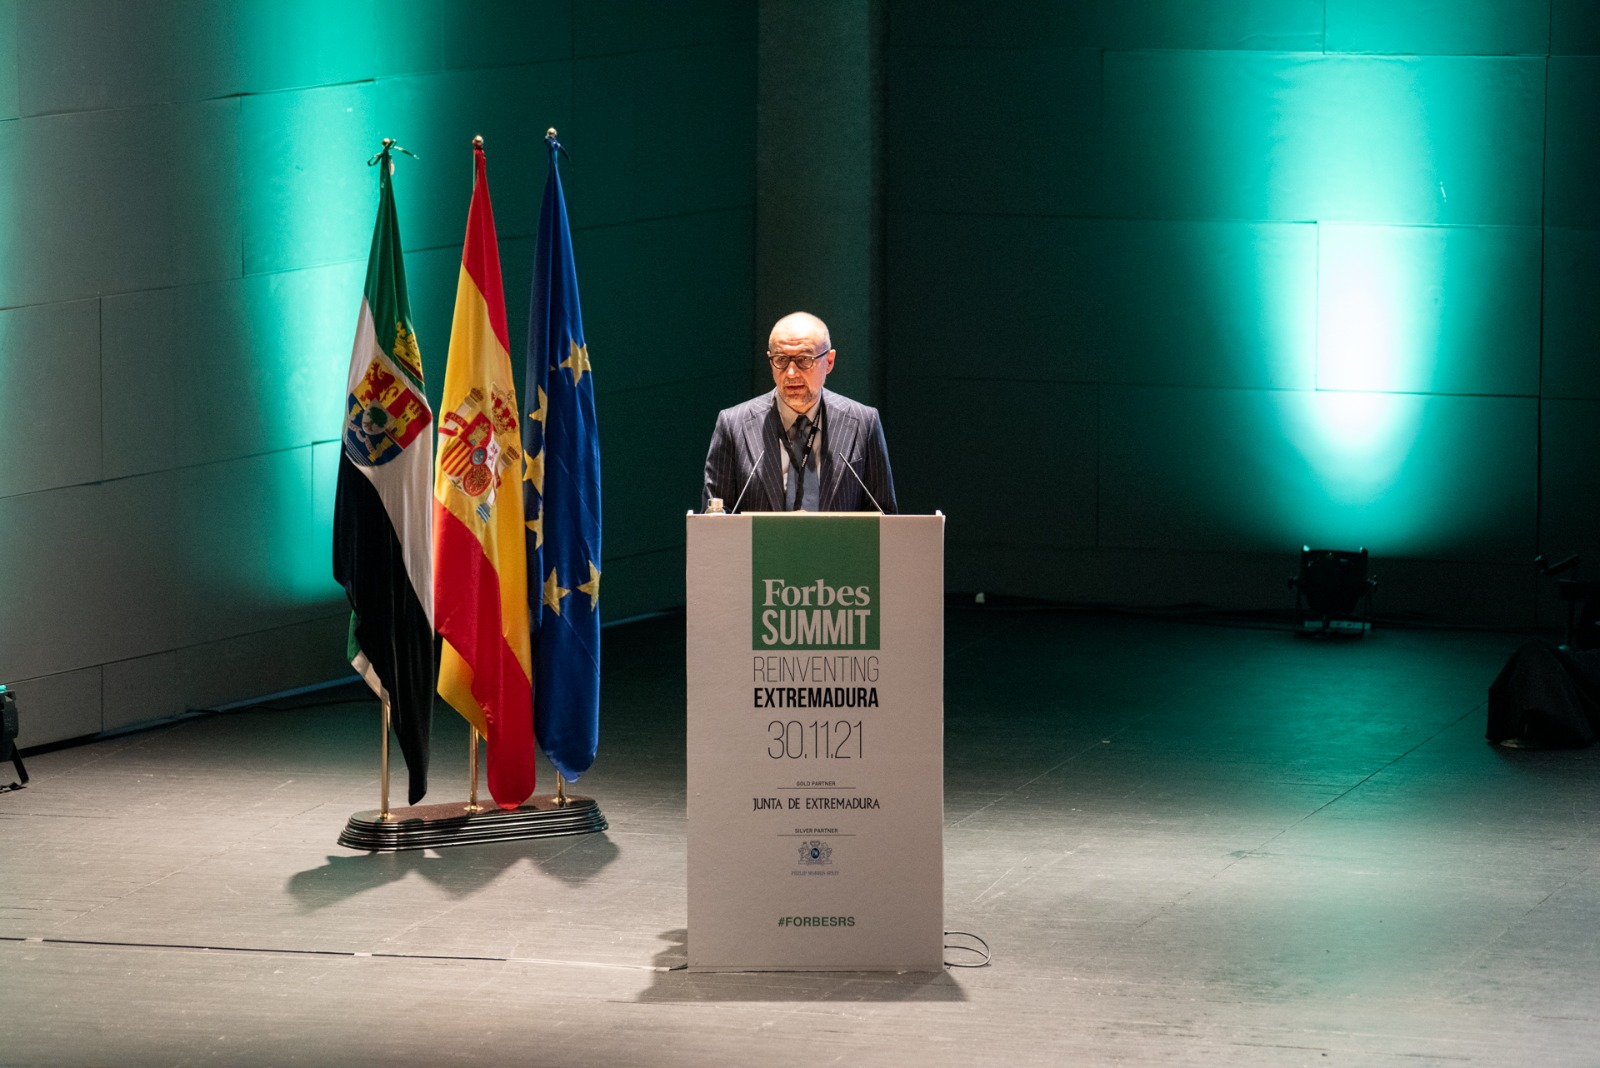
(452, 824)
(385, 830)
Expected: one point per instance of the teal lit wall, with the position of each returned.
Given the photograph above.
(1150, 293)
(185, 213)
(1203, 282)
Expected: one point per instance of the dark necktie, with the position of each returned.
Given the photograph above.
(797, 466)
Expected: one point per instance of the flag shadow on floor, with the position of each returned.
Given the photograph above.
(460, 871)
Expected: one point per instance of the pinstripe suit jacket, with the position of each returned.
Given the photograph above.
(751, 433)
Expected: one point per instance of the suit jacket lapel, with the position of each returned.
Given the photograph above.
(763, 438)
(840, 432)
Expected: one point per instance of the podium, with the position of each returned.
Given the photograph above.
(815, 742)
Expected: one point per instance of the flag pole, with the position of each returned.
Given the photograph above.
(473, 807)
(382, 158)
(383, 771)
(452, 823)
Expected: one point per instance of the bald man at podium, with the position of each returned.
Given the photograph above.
(799, 447)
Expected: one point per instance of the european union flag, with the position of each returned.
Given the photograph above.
(561, 445)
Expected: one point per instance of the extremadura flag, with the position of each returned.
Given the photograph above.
(562, 440)
(382, 538)
(480, 563)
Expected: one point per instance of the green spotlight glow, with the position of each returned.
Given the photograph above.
(1356, 444)
(1359, 345)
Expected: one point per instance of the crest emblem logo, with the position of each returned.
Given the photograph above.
(816, 852)
(382, 417)
(406, 351)
(470, 454)
(503, 408)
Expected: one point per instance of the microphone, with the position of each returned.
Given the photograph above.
(863, 485)
(750, 478)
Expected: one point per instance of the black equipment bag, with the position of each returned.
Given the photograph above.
(1547, 696)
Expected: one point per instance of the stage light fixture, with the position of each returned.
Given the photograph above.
(1583, 601)
(1333, 591)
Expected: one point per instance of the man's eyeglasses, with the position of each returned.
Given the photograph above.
(780, 361)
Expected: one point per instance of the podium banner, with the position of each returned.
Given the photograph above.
(816, 742)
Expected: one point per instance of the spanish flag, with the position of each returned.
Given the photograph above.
(480, 583)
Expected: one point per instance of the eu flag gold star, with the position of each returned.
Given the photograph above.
(538, 414)
(592, 587)
(534, 471)
(578, 362)
(536, 524)
(553, 592)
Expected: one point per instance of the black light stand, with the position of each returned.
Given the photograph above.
(8, 738)
(1583, 602)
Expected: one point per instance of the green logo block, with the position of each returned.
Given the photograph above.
(814, 582)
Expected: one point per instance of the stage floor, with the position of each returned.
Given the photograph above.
(1186, 844)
